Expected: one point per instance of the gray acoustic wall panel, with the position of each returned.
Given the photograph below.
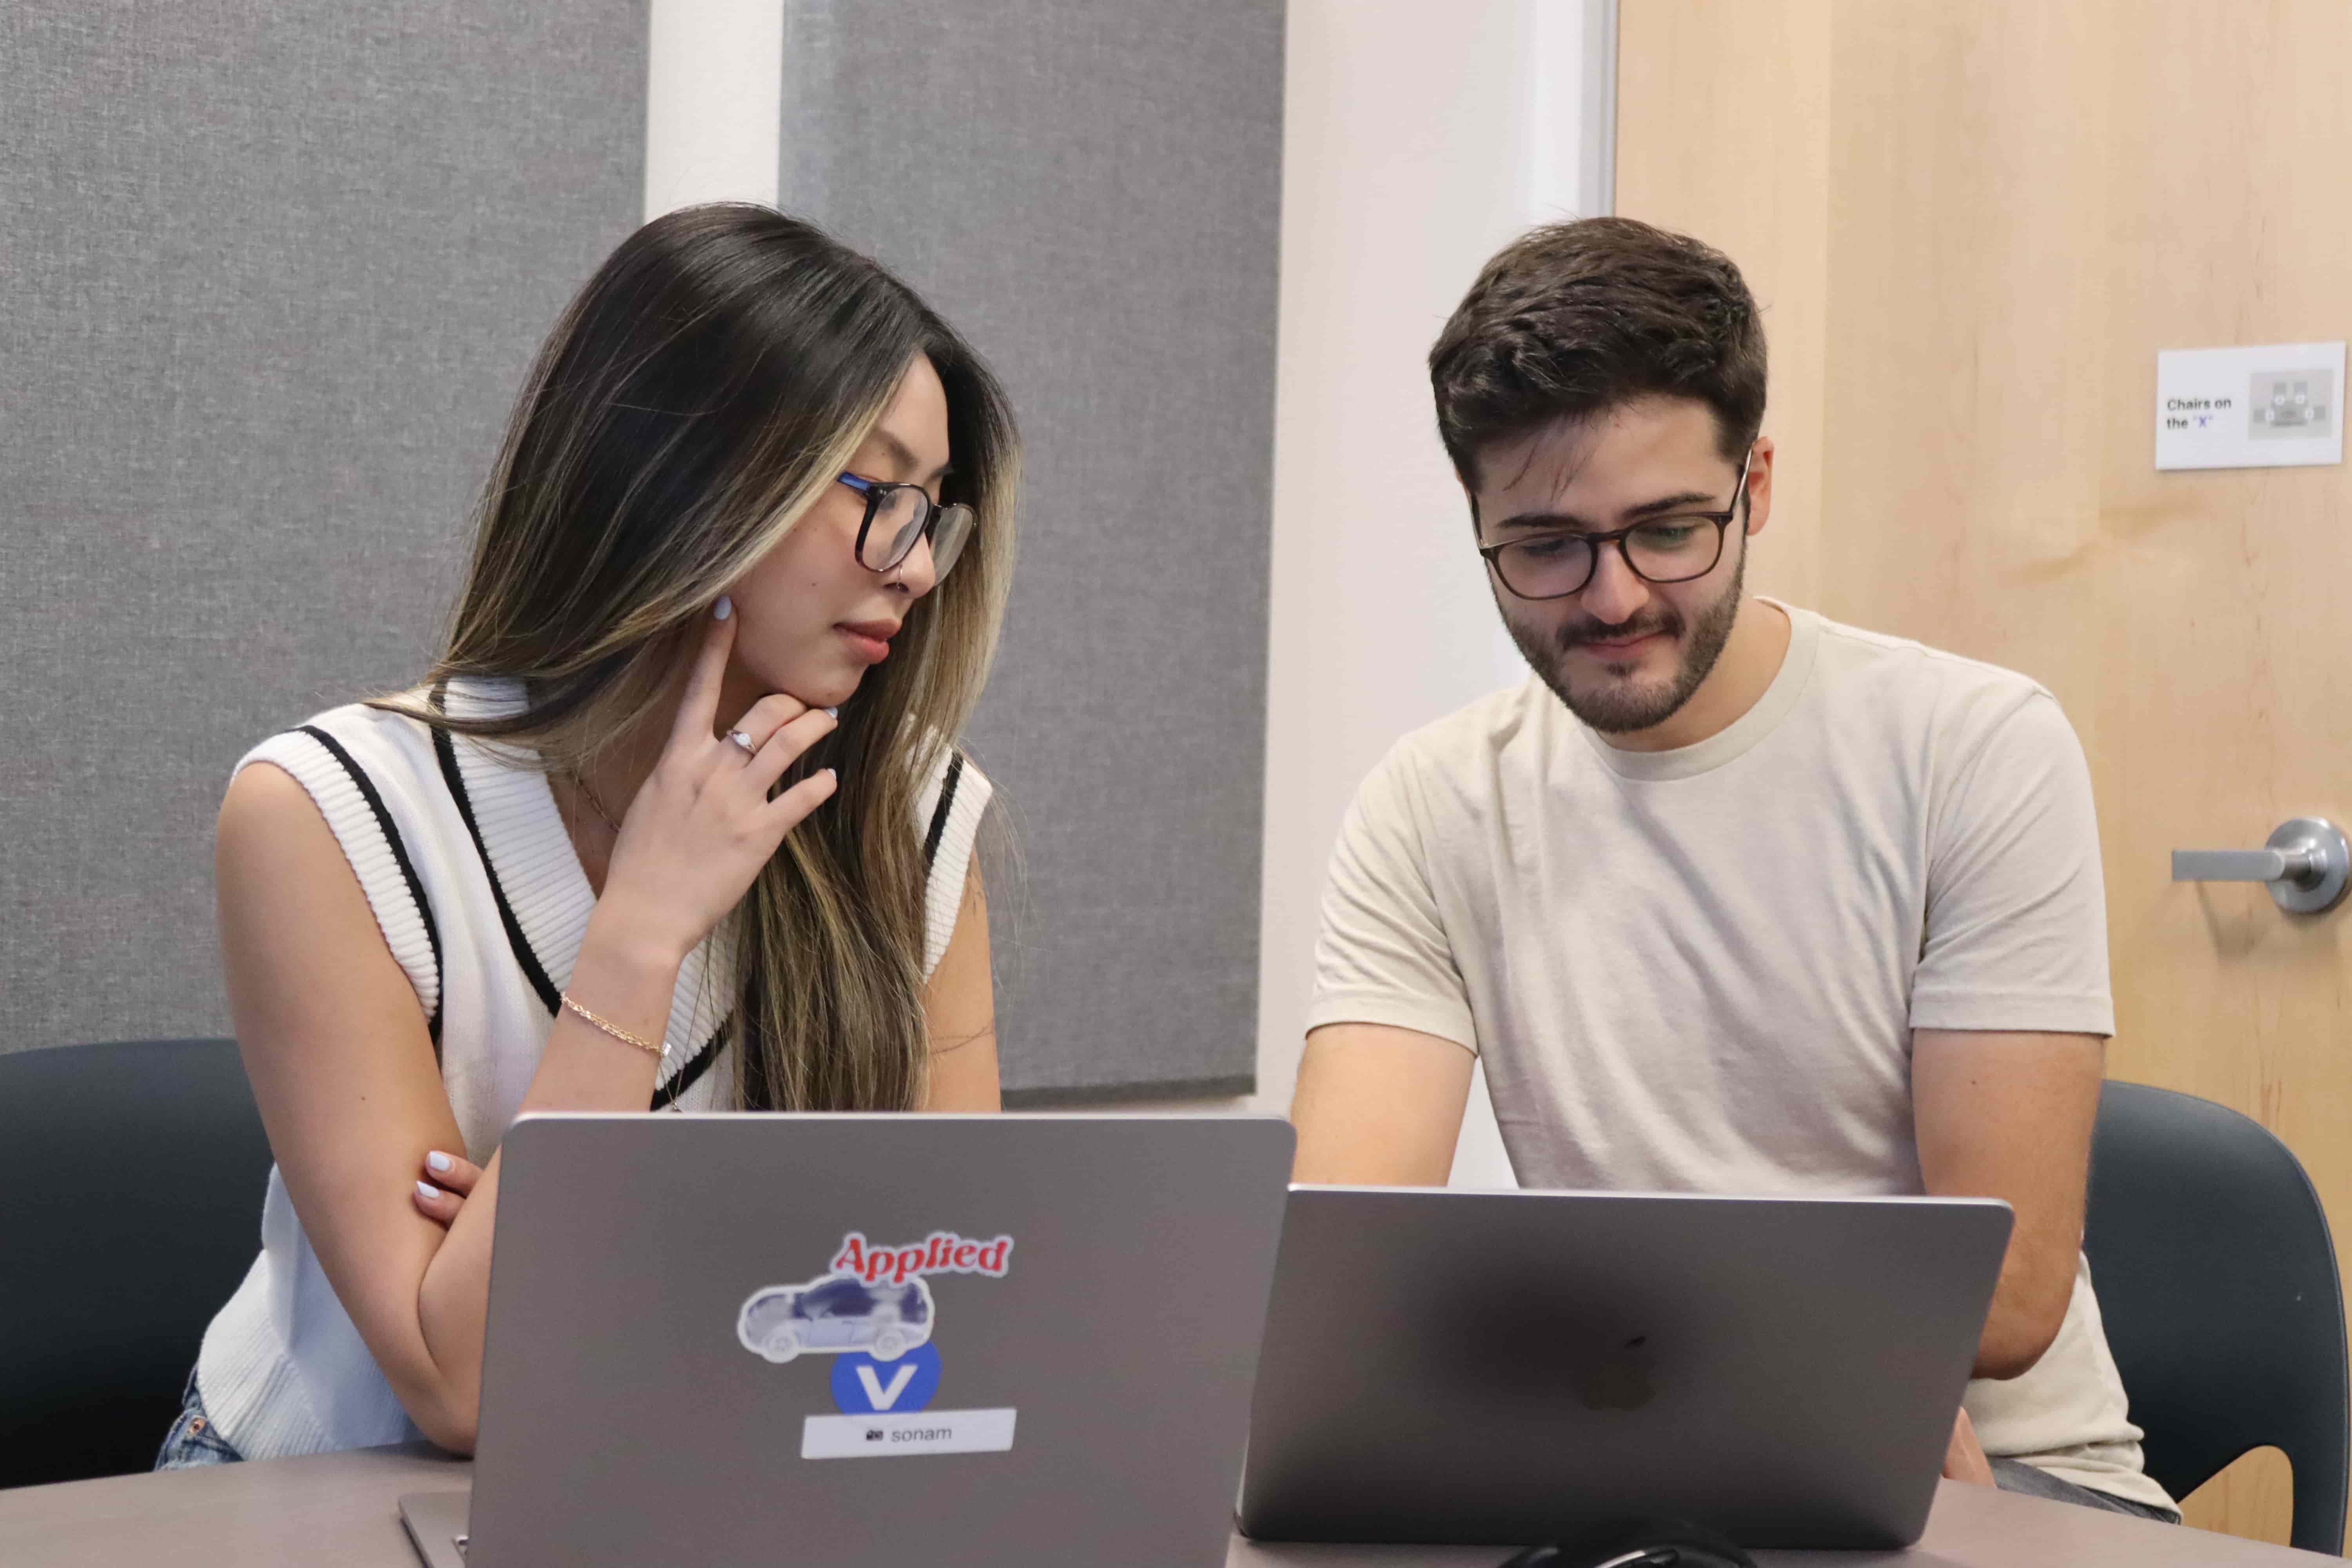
(270, 272)
(1091, 190)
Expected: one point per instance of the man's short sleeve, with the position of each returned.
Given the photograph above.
(2016, 919)
(1382, 956)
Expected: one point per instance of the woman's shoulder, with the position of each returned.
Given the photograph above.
(384, 742)
(358, 746)
(370, 770)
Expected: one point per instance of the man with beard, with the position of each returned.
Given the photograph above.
(1728, 898)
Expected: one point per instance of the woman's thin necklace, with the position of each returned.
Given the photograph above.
(595, 805)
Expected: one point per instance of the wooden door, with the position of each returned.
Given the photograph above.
(1972, 224)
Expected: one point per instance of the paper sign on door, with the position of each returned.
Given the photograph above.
(2278, 406)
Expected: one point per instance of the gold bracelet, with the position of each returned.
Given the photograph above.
(618, 1033)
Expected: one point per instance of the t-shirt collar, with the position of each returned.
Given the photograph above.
(1742, 735)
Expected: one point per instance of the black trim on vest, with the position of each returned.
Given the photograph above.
(515, 939)
(939, 816)
(407, 870)
(668, 1092)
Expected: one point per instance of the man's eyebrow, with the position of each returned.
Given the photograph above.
(905, 457)
(1683, 500)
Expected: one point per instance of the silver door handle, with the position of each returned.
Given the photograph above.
(2306, 865)
(2241, 865)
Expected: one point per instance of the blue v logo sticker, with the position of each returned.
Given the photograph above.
(865, 1386)
(877, 1396)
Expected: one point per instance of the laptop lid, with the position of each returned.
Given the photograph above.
(1510, 1367)
(872, 1340)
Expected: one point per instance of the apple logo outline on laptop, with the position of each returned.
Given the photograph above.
(1620, 1375)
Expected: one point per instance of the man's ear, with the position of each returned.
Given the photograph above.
(1759, 486)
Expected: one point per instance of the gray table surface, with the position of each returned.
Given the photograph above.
(341, 1509)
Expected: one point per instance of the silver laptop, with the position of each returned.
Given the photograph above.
(865, 1340)
(1512, 1367)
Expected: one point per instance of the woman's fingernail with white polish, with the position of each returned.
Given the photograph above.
(437, 1161)
(832, 712)
(724, 608)
(427, 1190)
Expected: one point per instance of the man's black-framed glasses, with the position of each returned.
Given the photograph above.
(1675, 548)
(898, 515)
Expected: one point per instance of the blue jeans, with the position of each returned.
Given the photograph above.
(2017, 1475)
(192, 1440)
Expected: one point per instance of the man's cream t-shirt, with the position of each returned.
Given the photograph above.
(1699, 970)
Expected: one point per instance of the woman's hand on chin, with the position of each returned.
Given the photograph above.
(702, 824)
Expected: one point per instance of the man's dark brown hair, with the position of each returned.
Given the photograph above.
(1575, 319)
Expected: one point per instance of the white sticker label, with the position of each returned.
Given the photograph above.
(2277, 406)
(927, 1432)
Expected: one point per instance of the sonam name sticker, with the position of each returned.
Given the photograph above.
(882, 1436)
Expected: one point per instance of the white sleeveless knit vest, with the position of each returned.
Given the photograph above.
(473, 880)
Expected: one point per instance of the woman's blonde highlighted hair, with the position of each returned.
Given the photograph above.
(704, 389)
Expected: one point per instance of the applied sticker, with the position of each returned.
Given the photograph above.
(942, 1252)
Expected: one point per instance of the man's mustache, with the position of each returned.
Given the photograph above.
(1662, 621)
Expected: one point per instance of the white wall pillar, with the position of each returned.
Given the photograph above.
(1419, 137)
(714, 101)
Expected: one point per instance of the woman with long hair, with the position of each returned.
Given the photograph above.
(676, 819)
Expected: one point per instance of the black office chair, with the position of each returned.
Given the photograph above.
(2216, 1278)
(132, 1208)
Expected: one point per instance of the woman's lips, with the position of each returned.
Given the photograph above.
(871, 642)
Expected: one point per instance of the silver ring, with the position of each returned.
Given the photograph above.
(743, 740)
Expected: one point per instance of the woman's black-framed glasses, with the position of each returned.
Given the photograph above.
(1672, 549)
(898, 515)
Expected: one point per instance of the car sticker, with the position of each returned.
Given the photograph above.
(874, 1311)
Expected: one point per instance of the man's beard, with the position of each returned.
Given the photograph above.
(1621, 708)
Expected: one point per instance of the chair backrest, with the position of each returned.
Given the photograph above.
(134, 1207)
(2216, 1278)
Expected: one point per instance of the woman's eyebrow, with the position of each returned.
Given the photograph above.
(904, 458)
